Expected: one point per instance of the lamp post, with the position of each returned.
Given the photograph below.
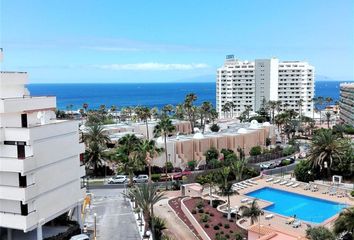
(95, 226)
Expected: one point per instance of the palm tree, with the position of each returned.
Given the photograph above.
(145, 197)
(345, 222)
(238, 167)
(159, 226)
(319, 233)
(314, 102)
(163, 128)
(252, 212)
(273, 106)
(320, 103)
(328, 118)
(167, 109)
(300, 104)
(94, 156)
(149, 150)
(278, 106)
(325, 148)
(232, 107)
(144, 114)
(128, 156)
(213, 115)
(96, 134)
(154, 112)
(328, 100)
(226, 188)
(204, 110)
(190, 109)
(85, 107)
(179, 111)
(248, 109)
(225, 109)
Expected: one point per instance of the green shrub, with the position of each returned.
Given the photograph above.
(206, 225)
(204, 217)
(192, 164)
(155, 177)
(256, 150)
(216, 227)
(352, 193)
(226, 226)
(194, 211)
(201, 210)
(227, 236)
(214, 128)
(288, 150)
(302, 170)
(199, 204)
(220, 224)
(211, 214)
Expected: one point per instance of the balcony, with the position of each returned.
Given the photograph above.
(51, 129)
(17, 165)
(17, 221)
(26, 104)
(18, 194)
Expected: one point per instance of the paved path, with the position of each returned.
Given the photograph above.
(115, 219)
(176, 228)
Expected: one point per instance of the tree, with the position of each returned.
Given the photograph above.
(144, 114)
(85, 107)
(225, 109)
(159, 226)
(204, 111)
(226, 188)
(248, 109)
(190, 108)
(256, 150)
(238, 167)
(345, 222)
(319, 102)
(163, 128)
(319, 233)
(252, 212)
(128, 156)
(94, 156)
(213, 115)
(328, 118)
(303, 172)
(328, 100)
(214, 128)
(324, 149)
(211, 154)
(167, 109)
(149, 150)
(96, 134)
(273, 106)
(145, 197)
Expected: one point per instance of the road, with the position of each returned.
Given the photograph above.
(115, 219)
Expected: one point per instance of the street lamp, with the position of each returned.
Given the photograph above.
(95, 226)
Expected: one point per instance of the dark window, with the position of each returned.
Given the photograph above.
(9, 142)
(24, 120)
(21, 154)
(24, 209)
(22, 180)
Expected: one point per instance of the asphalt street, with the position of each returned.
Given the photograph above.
(115, 219)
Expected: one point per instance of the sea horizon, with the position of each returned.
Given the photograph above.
(151, 94)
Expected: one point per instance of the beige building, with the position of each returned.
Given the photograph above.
(346, 104)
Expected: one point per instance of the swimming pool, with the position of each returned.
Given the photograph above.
(289, 204)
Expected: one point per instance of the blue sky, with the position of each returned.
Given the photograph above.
(146, 41)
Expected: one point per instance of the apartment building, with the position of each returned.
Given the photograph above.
(346, 104)
(40, 167)
(247, 83)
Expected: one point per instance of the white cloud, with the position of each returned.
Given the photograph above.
(152, 66)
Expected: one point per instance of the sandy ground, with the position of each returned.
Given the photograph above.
(175, 227)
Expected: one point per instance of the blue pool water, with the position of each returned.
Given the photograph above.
(289, 204)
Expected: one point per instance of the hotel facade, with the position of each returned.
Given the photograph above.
(40, 168)
(346, 104)
(247, 83)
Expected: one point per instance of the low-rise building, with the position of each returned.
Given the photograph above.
(346, 104)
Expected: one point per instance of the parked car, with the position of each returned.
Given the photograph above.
(268, 165)
(141, 179)
(118, 179)
(80, 237)
(164, 177)
(178, 176)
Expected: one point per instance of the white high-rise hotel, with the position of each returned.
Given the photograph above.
(40, 166)
(246, 83)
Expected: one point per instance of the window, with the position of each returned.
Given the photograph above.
(24, 209)
(22, 180)
(24, 120)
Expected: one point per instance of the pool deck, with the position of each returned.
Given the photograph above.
(278, 222)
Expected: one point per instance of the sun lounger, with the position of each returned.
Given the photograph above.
(252, 182)
(341, 194)
(269, 216)
(333, 192)
(296, 185)
(283, 182)
(277, 181)
(289, 184)
(314, 188)
(244, 200)
(290, 220)
(297, 224)
(269, 179)
(307, 187)
(325, 191)
(249, 202)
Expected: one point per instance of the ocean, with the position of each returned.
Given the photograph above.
(145, 94)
